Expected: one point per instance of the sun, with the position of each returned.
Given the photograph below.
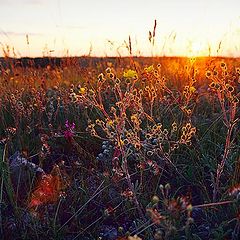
(196, 49)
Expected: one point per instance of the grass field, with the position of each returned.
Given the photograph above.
(120, 148)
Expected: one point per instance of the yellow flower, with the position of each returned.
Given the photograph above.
(120, 142)
(130, 74)
(192, 89)
(133, 118)
(110, 122)
(82, 90)
(149, 69)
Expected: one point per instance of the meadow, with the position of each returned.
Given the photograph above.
(120, 148)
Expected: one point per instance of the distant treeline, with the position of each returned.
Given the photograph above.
(85, 61)
(42, 62)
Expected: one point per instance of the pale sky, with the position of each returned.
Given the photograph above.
(184, 27)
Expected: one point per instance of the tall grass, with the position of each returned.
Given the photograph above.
(123, 148)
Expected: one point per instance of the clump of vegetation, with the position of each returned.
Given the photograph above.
(122, 148)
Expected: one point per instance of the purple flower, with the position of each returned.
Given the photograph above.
(69, 132)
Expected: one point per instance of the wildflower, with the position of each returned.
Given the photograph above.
(127, 194)
(135, 92)
(235, 191)
(189, 208)
(137, 146)
(212, 85)
(187, 132)
(229, 88)
(223, 64)
(158, 235)
(149, 69)
(11, 131)
(142, 165)
(174, 127)
(82, 90)
(190, 221)
(111, 75)
(217, 86)
(101, 77)
(73, 96)
(167, 186)
(208, 74)
(69, 132)
(110, 122)
(155, 216)
(108, 211)
(153, 90)
(134, 118)
(123, 115)
(3, 141)
(155, 199)
(192, 89)
(165, 132)
(108, 70)
(113, 110)
(128, 81)
(189, 111)
(130, 74)
(91, 93)
(69, 125)
(235, 100)
(117, 81)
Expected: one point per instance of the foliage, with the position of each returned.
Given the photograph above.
(120, 149)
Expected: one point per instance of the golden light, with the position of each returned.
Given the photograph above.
(184, 28)
(197, 49)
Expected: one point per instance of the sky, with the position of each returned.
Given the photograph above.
(102, 27)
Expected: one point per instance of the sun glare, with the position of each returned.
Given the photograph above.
(184, 28)
(197, 49)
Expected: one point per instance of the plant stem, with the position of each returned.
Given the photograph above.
(130, 185)
(224, 159)
(1, 188)
(97, 192)
(55, 217)
(213, 204)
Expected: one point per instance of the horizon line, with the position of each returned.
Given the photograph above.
(124, 56)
